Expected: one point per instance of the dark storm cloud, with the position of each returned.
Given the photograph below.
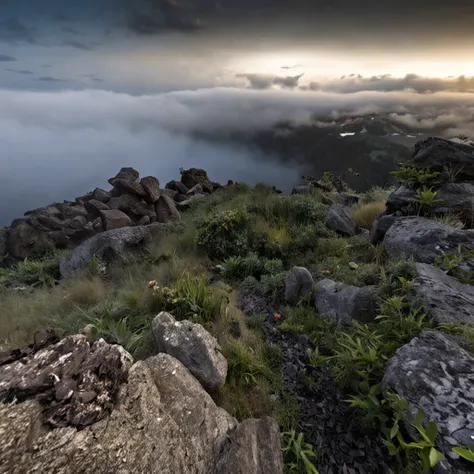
(14, 30)
(19, 71)
(5, 58)
(50, 79)
(80, 45)
(388, 83)
(265, 81)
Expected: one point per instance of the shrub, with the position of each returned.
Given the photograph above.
(411, 176)
(43, 272)
(365, 214)
(255, 322)
(298, 455)
(224, 234)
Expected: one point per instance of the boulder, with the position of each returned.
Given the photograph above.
(70, 211)
(298, 285)
(253, 448)
(179, 198)
(97, 225)
(94, 207)
(195, 190)
(166, 209)
(78, 222)
(101, 195)
(159, 419)
(172, 194)
(424, 239)
(402, 199)
(115, 219)
(50, 222)
(193, 346)
(25, 241)
(342, 303)
(434, 373)
(125, 203)
(105, 246)
(177, 186)
(157, 230)
(127, 174)
(145, 220)
(152, 188)
(129, 187)
(50, 211)
(340, 220)
(3, 242)
(380, 227)
(183, 205)
(444, 299)
(195, 176)
(437, 154)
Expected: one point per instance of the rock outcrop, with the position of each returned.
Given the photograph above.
(434, 373)
(193, 346)
(342, 303)
(166, 209)
(437, 154)
(424, 239)
(72, 406)
(298, 285)
(340, 220)
(195, 176)
(380, 227)
(105, 246)
(444, 299)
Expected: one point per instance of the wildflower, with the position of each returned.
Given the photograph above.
(277, 316)
(156, 288)
(229, 289)
(151, 283)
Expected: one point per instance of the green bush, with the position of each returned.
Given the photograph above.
(224, 234)
(298, 455)
(43, 272)
(377, 194)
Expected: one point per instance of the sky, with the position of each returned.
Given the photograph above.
(89, 86)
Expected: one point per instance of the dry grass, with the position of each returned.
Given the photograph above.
(21, 315)
(365, 214)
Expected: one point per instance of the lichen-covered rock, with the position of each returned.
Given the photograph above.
(124, 186)
(298, 284)
(177, 186)
(402, 199)
(444, 298)
(152, 188)
(106, 246)
(166, 210)
(253, 448)
(424, 239)
(94, 207)
(25, 241)
(74, 210)
(197, 189)
(343, 303)
(340, 220)
(434, 373)
(193, 346)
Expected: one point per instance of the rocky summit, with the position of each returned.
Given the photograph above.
(206, 328)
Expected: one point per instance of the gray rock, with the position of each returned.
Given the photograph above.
(76, 223)
(340, 220)
(105, 246)
(380, 227)
(444, 298)
(195, 176)
(437, 154)
(157, 230)
(101, 195)
(179, 198)
(298, 284)
(424, 239)
(253, 448)
(435, 374)
(72, 211)
(115, 219)
(3, 242)
(129, 187)
(152, 188)
(177, 186)
(197, 189)
(344, 199)
(171, 193)
(94, 207)
(342, 303)
(402, 199)
(52, 223)
(127, 174)
(183, 205)
(145, 220)
(193, 346)
(166, 210)
(25, 241)
(124, 202)
(50, 211)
